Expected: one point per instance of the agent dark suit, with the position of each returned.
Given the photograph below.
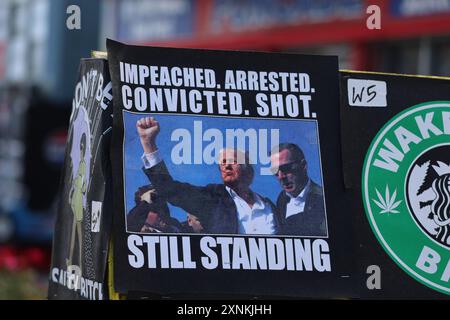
(310, 222)
(306, 215)
(212, 204)
(136, 218)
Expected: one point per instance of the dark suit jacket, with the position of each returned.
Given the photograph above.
(138, 215)
(212, 204)
(311, 222)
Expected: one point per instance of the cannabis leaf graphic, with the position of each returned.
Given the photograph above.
(388, 203)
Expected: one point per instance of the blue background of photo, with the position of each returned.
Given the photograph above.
(301, 132)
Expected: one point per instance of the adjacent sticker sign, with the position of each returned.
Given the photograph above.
(406, 192)
(395, 166)
(84, 218)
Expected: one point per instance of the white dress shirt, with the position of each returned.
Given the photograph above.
(296, 204)
(151, 159)
(255, 220)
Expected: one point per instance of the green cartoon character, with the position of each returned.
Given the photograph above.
(76, 200)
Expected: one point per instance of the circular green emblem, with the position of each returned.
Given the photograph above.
(406, 191)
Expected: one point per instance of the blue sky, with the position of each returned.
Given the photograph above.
(301, 132)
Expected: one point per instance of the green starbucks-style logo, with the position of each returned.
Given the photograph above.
(406, 191)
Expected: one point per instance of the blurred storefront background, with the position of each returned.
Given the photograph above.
(39, 58)
(414, 36)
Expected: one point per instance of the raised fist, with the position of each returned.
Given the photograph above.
(148, 129)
